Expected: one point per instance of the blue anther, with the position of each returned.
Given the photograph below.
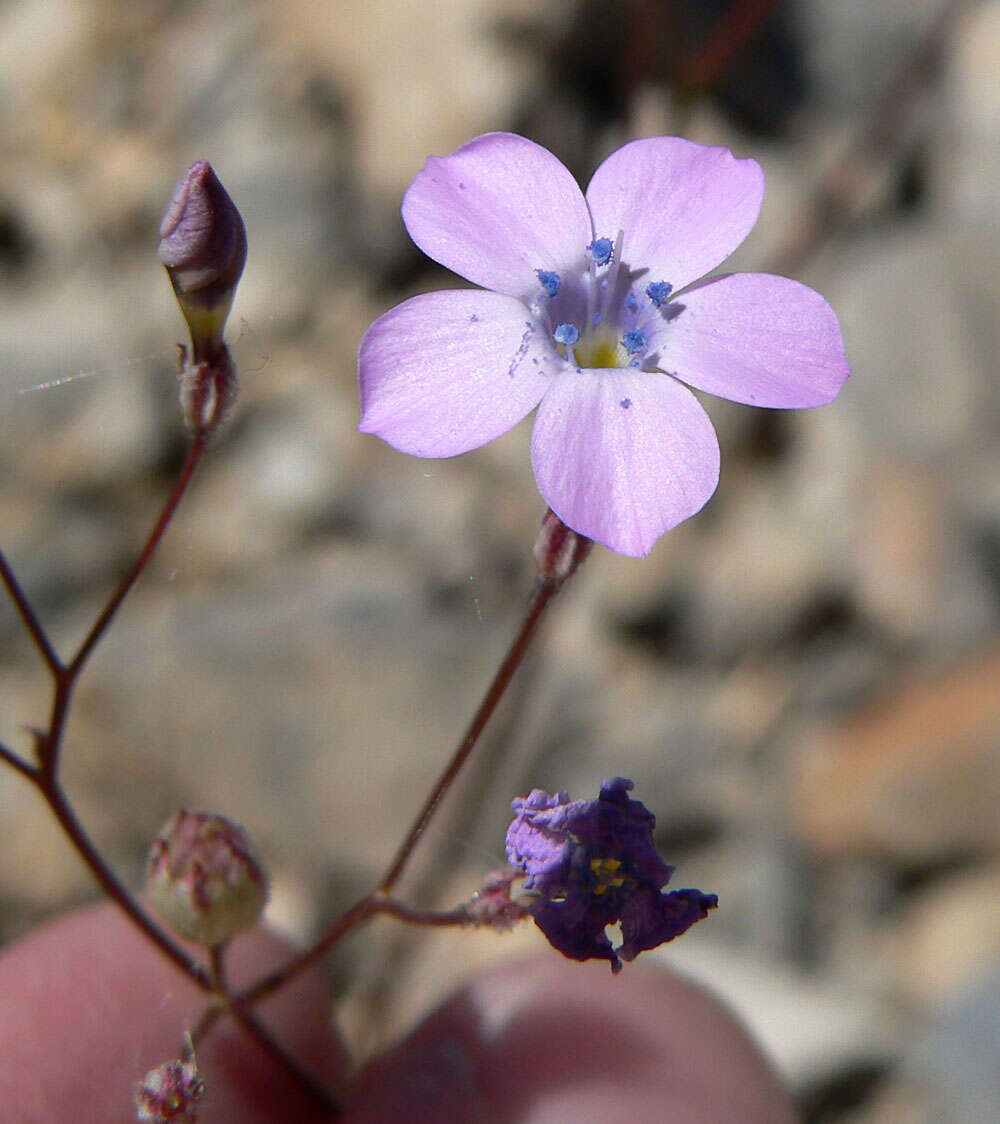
(631, 302)
(625, 403)
(658, 291)
(634, 341)
(597, 318)
(550, 281)
(566, 333)
(601, 250)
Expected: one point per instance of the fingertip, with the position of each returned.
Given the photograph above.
(543, 1041)
(89, 1006)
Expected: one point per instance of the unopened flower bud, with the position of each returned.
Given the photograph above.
(170, 1094)
(559, 550)
(208, 389)
(204, 878)
(492, 904)
(203, 244)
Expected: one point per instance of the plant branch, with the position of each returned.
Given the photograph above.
(29, 617)
(836, 196)
(115, 889)
(545, 589)
(310, 1085)
(378, 901)
(25, 768)
(195, 453)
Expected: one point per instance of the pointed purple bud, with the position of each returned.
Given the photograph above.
(203, 244)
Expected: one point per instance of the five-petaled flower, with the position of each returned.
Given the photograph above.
(591, 864)
(593, 317)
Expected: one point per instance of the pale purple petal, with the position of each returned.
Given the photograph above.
(683, 207)
(753, 338)
(622, 455)
(447, 372)
(496, 211)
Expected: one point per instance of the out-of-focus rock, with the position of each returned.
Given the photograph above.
(811, 1028)
(915, 778)
(407, 101)
(948, 937)
(955, 1061)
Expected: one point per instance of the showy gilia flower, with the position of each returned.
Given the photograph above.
(591, 864)
(593, 316)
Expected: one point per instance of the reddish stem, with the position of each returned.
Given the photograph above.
(116, 890)
(195, 453)
(28, 616)
(377, 901)
(369, 906)
(835, 198)
(16, 762)
(358, 913)
(730, 35)
(48, 743)
(541, 595)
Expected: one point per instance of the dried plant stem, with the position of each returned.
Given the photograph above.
(732, 34)
(545, 589)
(378, 900)
(113, 887)
(48, 743)
(193, 459)
(412, 916)
(45, 777)
(310, 1085)
(27, 615)
(836, 197)
(369, 906)
(25, 768)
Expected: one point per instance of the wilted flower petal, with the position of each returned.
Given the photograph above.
(591, 864)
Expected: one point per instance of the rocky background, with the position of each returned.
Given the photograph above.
(803, 679)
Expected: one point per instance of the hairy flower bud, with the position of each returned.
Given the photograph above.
(204, 878)
(559, 550)
(208, 389)
(493, 906)
(203, 244)
(170, 1094)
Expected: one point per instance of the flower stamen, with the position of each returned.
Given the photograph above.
(658, 292)
(601, 250)
(549, 280)
(634, 341)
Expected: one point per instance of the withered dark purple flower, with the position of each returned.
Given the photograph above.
(591, 864)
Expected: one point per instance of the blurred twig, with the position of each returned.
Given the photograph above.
(730, 35)
(837, 196)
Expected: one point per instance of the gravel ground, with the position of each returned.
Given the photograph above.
(802, 679)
